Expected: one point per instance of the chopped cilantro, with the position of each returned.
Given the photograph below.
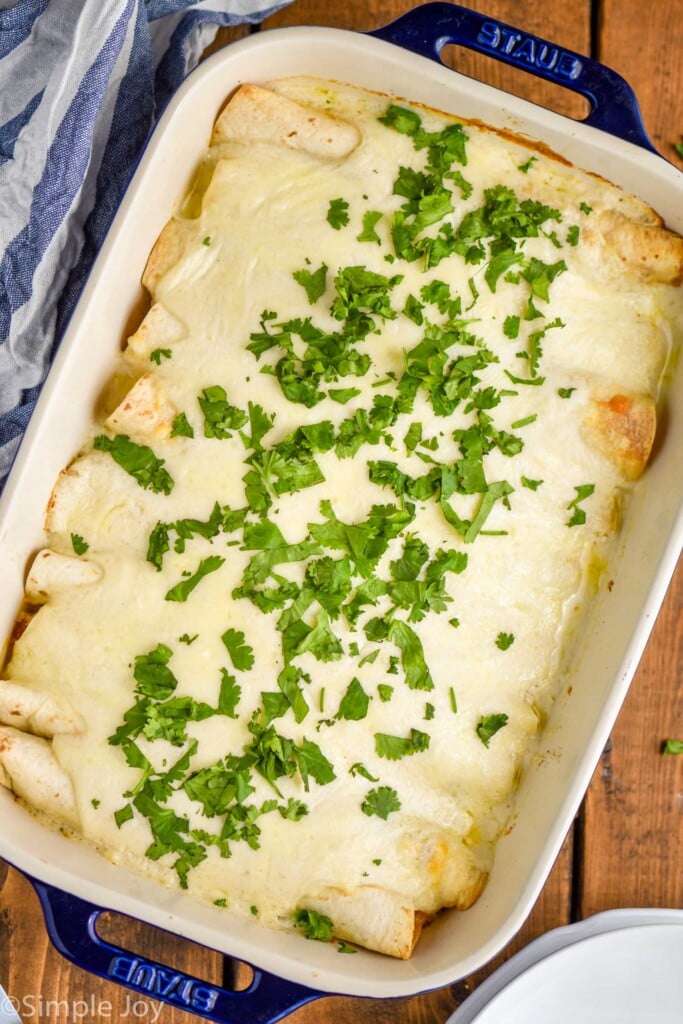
(504, 641)
(585, 208)
(355, 702)
(566, 392)
(344, 947)
(532, 485)
(370, 219)
(511, 326)
(207, 240)
(573, 233)
(672, 746)
(220, 417)
(187, 639)
(78, 544)
(181, 427)
(385, 692)
(527, 165)
(489, 725)
(360, 769)
(338, 213)
(314, 283)
(452, 698)
(313, 925)
(395, 747)
(95, 802)
(343, 395)
(137, 460)
(578, 516)
(382, 802)
(220, 902)
(182, 590)
(241, 654)
(160, 353)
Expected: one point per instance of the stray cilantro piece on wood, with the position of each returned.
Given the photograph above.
(672, 747)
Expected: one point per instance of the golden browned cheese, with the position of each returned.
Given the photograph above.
(323, 644)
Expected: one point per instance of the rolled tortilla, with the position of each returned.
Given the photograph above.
(372, 917)
(648, 250)
(52, 572)
(30, 768)
(255, 114)
(159, 329)
(34, 711)
(622, 428)
(145, 410)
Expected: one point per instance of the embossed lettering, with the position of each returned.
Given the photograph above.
(122, 968)
(526, 51)
(204, 998)
(509, 39)
(145, 976)
(546, 57)
(166, 983)
(489, 35)
(568, 66)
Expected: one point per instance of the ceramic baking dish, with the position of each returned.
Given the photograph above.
(74, 883)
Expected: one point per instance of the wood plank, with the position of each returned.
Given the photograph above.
(645, 45)
(634, 806)
(52, 990)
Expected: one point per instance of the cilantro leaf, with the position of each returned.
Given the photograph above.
(78, 544)
(504, 641)
(241, 654)
(672, 747)
(313, 762)
(181, 591)
(220, 417)
(368, 234)
(313, 925)
(338, 214)
(417, 674)
(578, 516)
(355, 702)
(489, 725)
(181, 427)
(314, 283)
(393, 748)
(382, 801)
(138, 461)
(152, 674)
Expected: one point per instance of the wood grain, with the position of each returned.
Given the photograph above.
(644, 43)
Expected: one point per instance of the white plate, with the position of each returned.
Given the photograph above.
(623, 967)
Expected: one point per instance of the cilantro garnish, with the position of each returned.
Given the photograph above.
(370, 220)
(313, 925)
(489, 725)
(393, 748)
(181, 427)
(566, 392)
(527, 165)
(355, 702)
(338, 214)
(314, 283)
(382, 802)
(241, 654)
(137, 460)
(220, 417)
(160, 353)
(511, 326)
(385, 692)
(504, 641)
(578, 516)
(181, 591)
(672, 746)
(78, 544)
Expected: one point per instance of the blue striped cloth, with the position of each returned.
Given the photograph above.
(82, 82)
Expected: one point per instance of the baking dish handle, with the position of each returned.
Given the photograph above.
(430, 27)
(71, 923)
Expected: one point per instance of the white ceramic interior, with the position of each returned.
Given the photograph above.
(551, 792)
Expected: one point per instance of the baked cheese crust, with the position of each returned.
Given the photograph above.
(311, 588)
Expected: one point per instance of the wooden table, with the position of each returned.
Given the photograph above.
(625, 846)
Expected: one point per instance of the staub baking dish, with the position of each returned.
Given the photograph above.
(73, 882)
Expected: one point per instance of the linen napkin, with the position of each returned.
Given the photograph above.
(82, 83)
